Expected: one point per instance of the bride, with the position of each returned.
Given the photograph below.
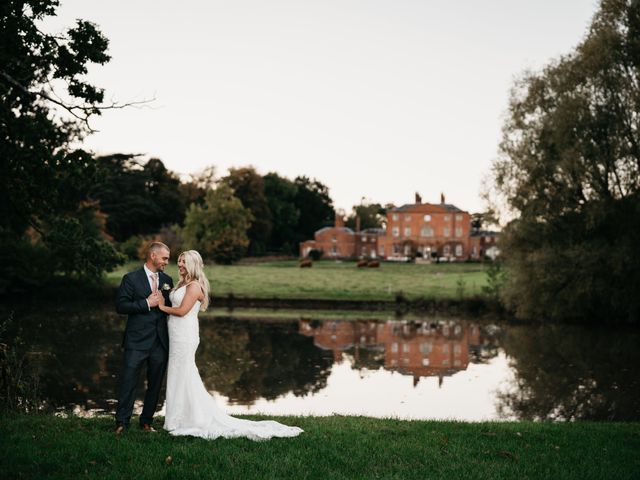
(190, 409)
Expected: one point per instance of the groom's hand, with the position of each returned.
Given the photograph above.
(153, 300)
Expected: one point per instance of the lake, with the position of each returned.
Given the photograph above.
(355, 363)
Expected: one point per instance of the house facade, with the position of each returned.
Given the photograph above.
(424, 231)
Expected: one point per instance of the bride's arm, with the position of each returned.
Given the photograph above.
(194, 293)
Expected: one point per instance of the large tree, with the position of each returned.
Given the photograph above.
(218, 228)
(139, 197)
(248, 186)
(371, 215)
(315, 206)
(45, 105)
(281, 197)
(569, 173)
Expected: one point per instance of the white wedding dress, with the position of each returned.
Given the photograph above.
(190, 409)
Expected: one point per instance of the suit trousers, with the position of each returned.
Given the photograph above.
(156, 359)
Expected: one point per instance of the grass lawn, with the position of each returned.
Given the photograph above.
(329, 280)
(36, 446)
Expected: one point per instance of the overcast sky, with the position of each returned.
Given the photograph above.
(376, 99)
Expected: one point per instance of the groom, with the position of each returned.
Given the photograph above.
(146, 340)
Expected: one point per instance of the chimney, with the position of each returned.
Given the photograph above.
(442, 198)
(357, 223)
(418, 198)
(339, 221)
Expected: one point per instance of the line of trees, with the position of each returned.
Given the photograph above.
(227, 218)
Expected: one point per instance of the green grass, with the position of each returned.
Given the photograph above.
(36, 446)
(329, 280)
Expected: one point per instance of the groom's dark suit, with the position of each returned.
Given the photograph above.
(146, 340)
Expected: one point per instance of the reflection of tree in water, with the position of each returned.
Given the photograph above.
(565, 372)
(246, 360)
(76, 349)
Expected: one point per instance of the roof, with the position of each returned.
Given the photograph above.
(427, 208)
(341, 229)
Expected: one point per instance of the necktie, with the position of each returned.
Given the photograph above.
(154, 283)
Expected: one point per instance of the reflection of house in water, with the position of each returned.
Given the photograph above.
(419, 349)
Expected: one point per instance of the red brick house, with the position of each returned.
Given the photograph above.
(426, 231)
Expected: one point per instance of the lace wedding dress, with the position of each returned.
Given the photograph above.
(190, 409)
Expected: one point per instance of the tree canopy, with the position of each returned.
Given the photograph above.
(248, 186)
(218, 229)
(569, 173)
(46, 105)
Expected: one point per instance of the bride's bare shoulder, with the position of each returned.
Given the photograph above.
(196, 288)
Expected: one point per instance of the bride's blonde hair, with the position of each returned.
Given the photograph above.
(194, 266)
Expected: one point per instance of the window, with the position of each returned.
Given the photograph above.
(381, 250)
(334, 239)
(447, 218)
(364, 251)
(445, 348)
(425, 362)
(457, 350)
(407, 250)
(407, 218)
(446, 250)
(394, 216)
(395, 231)
(396, 249)
(458, 250)
(405, 348)
(426, 232)
(458, 217)
(458, 231)
(407, 231)
(427, 218)
(425, 348)
(394, 348)
(334, 250)
(446, 231)
(487, 239)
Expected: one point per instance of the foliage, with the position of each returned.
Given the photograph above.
(19, 375)
(371, 216)
(496, 277)
(195, 189)
(131, 246)
(218, 229)
(249, 187)
(281, 197)
(315, 207)
(569, 172)
(44, 180)
(138, 197)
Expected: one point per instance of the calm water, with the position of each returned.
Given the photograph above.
(376, 365)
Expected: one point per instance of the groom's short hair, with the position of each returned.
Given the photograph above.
(154, 247)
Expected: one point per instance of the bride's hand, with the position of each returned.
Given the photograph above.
(161, 301)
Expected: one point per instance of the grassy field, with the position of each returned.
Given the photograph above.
(329, 280)
(332, 447)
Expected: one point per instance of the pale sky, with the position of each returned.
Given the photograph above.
(376, 99)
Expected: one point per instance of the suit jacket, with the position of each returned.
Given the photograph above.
(143, 325)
